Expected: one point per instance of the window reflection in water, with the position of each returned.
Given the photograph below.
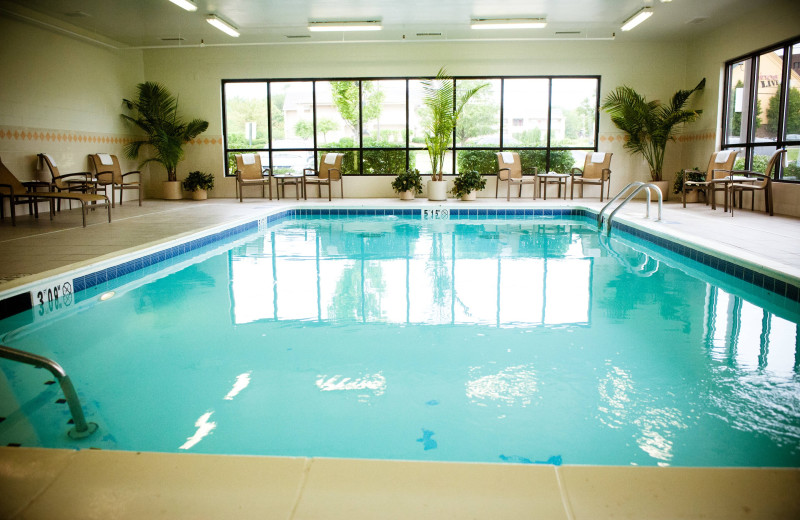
(520, 274)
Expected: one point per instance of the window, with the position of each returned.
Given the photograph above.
(762, 108)
(379, 124)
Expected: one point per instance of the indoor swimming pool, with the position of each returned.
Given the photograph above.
(475, 338)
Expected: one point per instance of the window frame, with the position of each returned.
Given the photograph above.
(751, 98)
(316, 150)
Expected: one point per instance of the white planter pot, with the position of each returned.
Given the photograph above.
(469, 196)
(199, 195)
(407, 195)
(437, 190)
(171, 190)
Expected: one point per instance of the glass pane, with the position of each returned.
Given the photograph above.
(574, 108)
(291, 161)
(479, 123)
(350, 161)
(792, 169)
(418, 114)
(525, 103)
(768, 96)
(386, 161)
(422, 160)
(761, 155)
(738, 101)
(337, 113)
(292, 115)
(793, 104)
(246, 115)
(530, 159)
(481, 161)
(384, 108)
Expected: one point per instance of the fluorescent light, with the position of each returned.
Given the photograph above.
(366, 25)
(186, 4)
(222, 25)
(509, 23)
(642, 15)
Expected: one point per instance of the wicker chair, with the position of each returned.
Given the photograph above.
(109, 174)
(719, 167)
(763, 182)
(509, 170)
(596, 171)
(330, 170)
(249, 172)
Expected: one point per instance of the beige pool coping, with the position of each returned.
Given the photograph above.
(48, 483)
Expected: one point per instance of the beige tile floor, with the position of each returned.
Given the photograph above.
(41, 483)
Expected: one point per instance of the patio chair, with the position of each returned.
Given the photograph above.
(596, 171)
(719, 167)
(21, 193)
(80, 182)
(509, 170)
(250, 172)
(762, 182)
(330, 170)
(108, 174)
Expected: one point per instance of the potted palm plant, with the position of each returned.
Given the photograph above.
(199, 183)
(467, 184)
(650, 125)
(439, 96)
(408, 184)
(155, 112)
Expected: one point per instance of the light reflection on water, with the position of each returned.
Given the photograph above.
(516, 341)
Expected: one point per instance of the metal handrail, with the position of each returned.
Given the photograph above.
(82, 428)
(639, 186)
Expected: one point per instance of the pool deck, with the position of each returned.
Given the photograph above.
(42, 483)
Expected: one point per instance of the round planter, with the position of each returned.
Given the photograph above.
(171, 190)
(199, 195)
(664, 187)
(437, 190)
(469, 196)
(407, 195)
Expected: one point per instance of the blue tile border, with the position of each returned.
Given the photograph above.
(761, 280)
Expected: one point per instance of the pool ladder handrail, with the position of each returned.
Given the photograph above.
(82, 429)
(639, 185)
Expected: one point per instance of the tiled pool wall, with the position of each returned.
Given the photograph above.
(23, 301)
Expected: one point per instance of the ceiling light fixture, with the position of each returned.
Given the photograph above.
(508, 23)
(222, 25)
(364, 25)
(641, 15)
(186, 4)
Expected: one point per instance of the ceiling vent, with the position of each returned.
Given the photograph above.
(178, 39)
(695, 21)
(429, 34)
(77, 14)
(568, 32)
(297, 36)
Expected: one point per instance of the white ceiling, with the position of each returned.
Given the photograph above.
(153, 23)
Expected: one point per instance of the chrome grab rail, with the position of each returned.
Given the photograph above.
(82, 428)
(639, 186)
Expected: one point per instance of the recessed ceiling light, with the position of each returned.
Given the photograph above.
(508, 23)
(222, 25)
(364, 25)
(640, 16)
(185, 4)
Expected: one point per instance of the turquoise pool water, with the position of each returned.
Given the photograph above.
(516, 340)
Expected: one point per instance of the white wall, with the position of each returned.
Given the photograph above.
(197, 72)
(63, 96)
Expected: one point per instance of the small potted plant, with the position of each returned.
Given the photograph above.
(199, 183)
(691, 175)
(408, 184)
(467, 184)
